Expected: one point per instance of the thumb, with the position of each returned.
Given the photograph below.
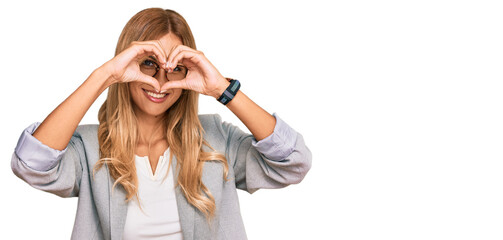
(174, 84)
(150, 81)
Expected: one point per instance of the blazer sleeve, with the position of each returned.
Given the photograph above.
(48, 169)
(277, 161)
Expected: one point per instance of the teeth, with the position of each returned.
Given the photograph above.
(156, 95)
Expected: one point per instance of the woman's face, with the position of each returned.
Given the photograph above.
(147, 102)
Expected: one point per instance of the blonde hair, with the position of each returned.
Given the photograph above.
(118, 130)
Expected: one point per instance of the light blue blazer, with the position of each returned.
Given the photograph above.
(275, 162)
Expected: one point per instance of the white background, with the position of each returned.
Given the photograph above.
(400, 103)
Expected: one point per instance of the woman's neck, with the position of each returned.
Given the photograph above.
(150, 129)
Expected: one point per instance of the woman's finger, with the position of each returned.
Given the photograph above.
(193, 57)
(149, 80)
(175, 84)
(158, 45)
(147, 48)
(175, 52)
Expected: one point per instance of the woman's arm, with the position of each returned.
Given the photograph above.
(50, 156)
(57, 129)
(204, 78)
(274, 157)
(277, 161)
(257, 120)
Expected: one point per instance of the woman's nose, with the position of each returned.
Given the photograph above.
(162, 76)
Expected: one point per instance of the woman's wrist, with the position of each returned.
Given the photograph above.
(220, 89)
(229, 92)
(105, 73)
(103, 77)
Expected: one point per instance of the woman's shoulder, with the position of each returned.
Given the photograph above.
(88, 133)
(210, 121)
(212, 125)
(86, 129)
(207, 119)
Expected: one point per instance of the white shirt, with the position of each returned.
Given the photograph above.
(159, 218)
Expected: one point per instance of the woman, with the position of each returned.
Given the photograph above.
(153, 168)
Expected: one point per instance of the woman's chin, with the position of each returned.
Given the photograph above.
(156, 113)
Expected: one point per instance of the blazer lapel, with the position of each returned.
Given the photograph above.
(118, 210)
(186, 211)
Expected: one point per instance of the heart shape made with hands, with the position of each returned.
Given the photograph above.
(201, 75)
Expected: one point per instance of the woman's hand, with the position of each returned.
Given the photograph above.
(125, 67)
(201, 77)
(204, 78)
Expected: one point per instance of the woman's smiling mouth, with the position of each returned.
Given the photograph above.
(154, 96)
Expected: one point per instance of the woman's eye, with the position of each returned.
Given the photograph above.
(181, 69)
(149, 63)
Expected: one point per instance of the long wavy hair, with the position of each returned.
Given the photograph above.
(118, 129)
